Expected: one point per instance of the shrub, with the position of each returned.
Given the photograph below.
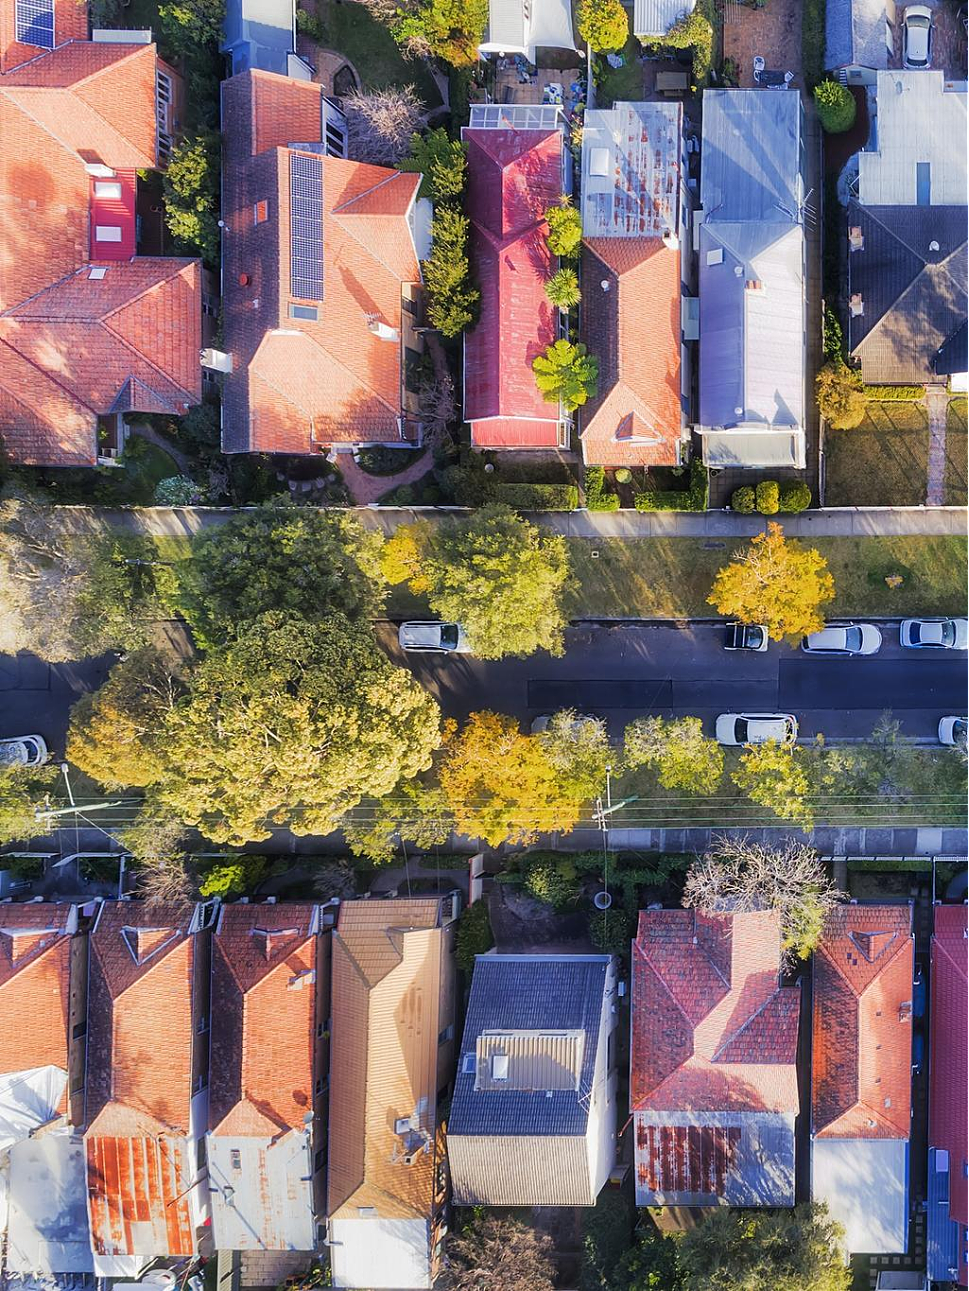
(380, 459)
(888, 864)
(552, 881)
(235, 877)
(768, 497)
(597, 498)
(473, 936)
(562, 289)
(452, 297)
(564, 229)
(191, 196)
(442, 161)
(537, 497)
(566, 373)
(896, 394)
(743, 500)
(178, 491)
(695, 498)
(841, 396)
(795, 496)
(611, 931)
(693, 32)
(623, 475)
(603, 23)
(836, 106)
(308, 25)
(833, 343)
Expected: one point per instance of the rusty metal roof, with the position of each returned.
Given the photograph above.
(136, 1194)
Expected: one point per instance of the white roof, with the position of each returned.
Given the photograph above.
(28, 1099)
(48, 1230)
(517, 28)
(865, 1183)
(380, 1253)
(262, 1198)
(918, 121)
(631, 170)
(656, 17)
(749, 446)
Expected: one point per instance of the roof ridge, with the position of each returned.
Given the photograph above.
(48, 375)
(371, 246)
(325, 349)
(756, 1014)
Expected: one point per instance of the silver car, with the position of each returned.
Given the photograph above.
(934, 634)
(953, 730)
(917, 37)
(23, 751)
(844, 639)
(756, 728)
(433, 636)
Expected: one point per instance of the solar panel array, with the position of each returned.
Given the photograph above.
(305, 226)
(35, 22)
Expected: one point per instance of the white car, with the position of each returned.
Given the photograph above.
(934, 634)
(917, 37)
(23, 751)
(847, 638)
(541, 724)
(953, 730)
(756, 728)
(433, 636)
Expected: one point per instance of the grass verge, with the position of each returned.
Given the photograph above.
(956, 493)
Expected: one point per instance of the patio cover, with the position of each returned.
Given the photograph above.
(865, 1183)
(547, 25)
(28, 1099)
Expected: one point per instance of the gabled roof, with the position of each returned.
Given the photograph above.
(299, 384)
(947, 1090)
(861, 1085)
(912, 274)
(513, 177)
(515, 26)
(636, 417)
(855, 34)
(712, 1029)
(35, 961)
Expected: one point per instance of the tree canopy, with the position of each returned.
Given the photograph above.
(498, 1254)
(682, 756)
(566, 373)
(564, 222)
(775, 776)
(603, 23)
(578, 749)
(797, 1249)
(775, 581)
(19, 795)
(443, 163)
(414, 811)
(841, 395)
(272, 732)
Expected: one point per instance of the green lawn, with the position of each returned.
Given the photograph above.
(368, 45)
(621, 83)
(956, 493)
(883, 462)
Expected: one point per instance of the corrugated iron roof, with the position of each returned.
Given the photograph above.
(947, 1095)
(136, 1194)
(865, 1186)
(529, 1060)
(631, 170)
(653, 18)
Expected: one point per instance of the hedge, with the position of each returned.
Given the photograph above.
(596, 496)
(895, 394)
(695, 498)
(538, 497)
(917, 864)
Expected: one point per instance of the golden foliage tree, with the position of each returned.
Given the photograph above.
(777, 582)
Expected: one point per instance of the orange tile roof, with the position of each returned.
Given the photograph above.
(634, 330)
(861, 1080)
(35, 972)
(72, 348)
(299, 384)
(263, 1002)
(70, 23)
(712, 1029)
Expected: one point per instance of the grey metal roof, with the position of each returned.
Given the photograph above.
(855, 34)
(941, 1230)
(261, 34)
(631, 170)
(751, 156)
(913, 296)
(655, 17)
(262, 1192)
(865, 1184)
(921, 134)
(777, 449)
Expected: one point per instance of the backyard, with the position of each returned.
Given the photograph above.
(368, 46)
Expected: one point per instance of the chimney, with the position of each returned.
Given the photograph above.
(856, 306)
(856, 239)
(670, 240)
(754, 284)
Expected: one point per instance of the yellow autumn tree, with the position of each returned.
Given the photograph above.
(777, 582)
(403, 556)
(500, 784)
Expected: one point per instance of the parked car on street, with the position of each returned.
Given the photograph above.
(954, 730)
(844, 639)
(433, 636)
(745, 636)
(756, 728)
(917, 37)
(23, 751)
(934, 634)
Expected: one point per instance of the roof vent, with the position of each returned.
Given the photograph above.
(856, 306)
(605, 284)
(933, 245)
(738, 271)
(245, 279)
(737, 412)
(856, 239)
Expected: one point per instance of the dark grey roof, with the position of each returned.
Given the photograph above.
(855, 34)
(529, 992)
(914, 296)
(953, 356)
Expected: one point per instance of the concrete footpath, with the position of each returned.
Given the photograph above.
(835, 522)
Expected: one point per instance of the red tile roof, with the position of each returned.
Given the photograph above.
(861, 1080)
(712, 1029)
(947, 1056)
(263, 1001)
(139, 1079)
(35, 969)
(636, 418)
(73, 348)
(299, 385)
(513, 177)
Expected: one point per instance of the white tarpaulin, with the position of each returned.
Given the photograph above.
(48, 1229)
(28, 1099)
(512, 30)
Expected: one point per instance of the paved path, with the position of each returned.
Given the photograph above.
(937, 404)
(846, 522)
(366, 488)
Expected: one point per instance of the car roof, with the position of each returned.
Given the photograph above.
(829, 636)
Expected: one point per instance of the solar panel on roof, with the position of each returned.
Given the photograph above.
(306, 227)
(35, 22)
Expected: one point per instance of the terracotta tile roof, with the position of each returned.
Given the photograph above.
(513, 177)
(636, 418)
(263, 1001)
(947, 1057)
(72, 348)
(300, 384)
(35, 964)
(70, 23)
(712, 1029)
(861, 1053)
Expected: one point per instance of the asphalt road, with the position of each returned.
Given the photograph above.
(36, 697)
(627, 670)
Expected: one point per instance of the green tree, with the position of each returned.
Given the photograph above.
(114, 731)
(564, 235)
(799, 1249)
(189, 24)
(836, 106)
(692, 32)
(743, 500)
(562, 289)
(776, 776)
(501, 578)
(450, 30)
(414, 812)
(443, 163)
(603, 23)
(652, 1264)
(191, 195)
(795, 496)
(841, 396)
(453, 299)
(776, 582)
(611, 931)
(20, 795)
(297, 559)
(500, 785)
(292, 722)
(566, 373)
(683, 757)
(178, 491)
(235, 877)
(579, 750)
(474, 935)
